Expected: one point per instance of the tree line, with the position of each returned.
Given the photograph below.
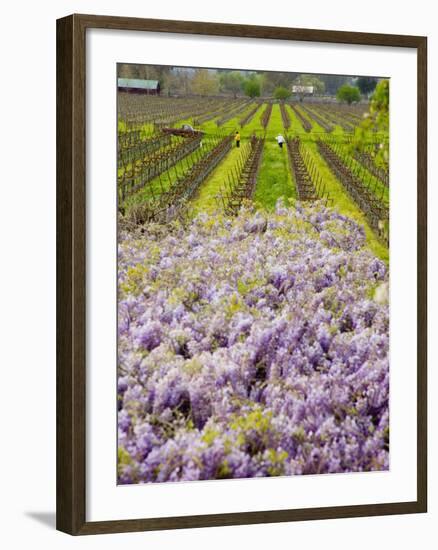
(185, 81)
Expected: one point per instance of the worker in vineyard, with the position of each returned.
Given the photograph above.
(237, 139)
(280, 140)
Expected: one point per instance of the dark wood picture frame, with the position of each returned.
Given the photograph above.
(71, 270)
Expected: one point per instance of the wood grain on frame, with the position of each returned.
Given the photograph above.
(71, 270)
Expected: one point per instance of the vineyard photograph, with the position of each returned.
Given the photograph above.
(253, 274)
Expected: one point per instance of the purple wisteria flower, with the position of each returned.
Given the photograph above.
(252, 346)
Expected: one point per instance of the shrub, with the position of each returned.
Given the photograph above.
(349, 94)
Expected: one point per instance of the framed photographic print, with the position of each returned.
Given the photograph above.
(241, 274)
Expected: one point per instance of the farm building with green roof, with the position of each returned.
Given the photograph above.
(138, 86)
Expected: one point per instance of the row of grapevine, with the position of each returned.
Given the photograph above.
(173, 201)
(307, 179)
(285, 116)
(375, 210)
(304, 121)
(241, 182)
(136, 175)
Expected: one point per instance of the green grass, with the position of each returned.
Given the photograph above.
(275, 124)
(205, 199)
(274, 179)
(295, 125)
(254, 125)
(316, 128)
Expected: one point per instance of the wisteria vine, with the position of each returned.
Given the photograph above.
(252, 346)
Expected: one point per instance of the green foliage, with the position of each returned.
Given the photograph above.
(281, 92)
(272, 80)
(235, 305)
(252, 87)
(210, 434)
(274, 179)
(206, 198)
(376, 123)
(379, 107)
(123, 459)
(121, 126)
(224, 471)
(299, 434)
(231, 81)
(244, 287)
(366, 84)
(256, 420)
(205, 83)
(349, 94)
(277, 460)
